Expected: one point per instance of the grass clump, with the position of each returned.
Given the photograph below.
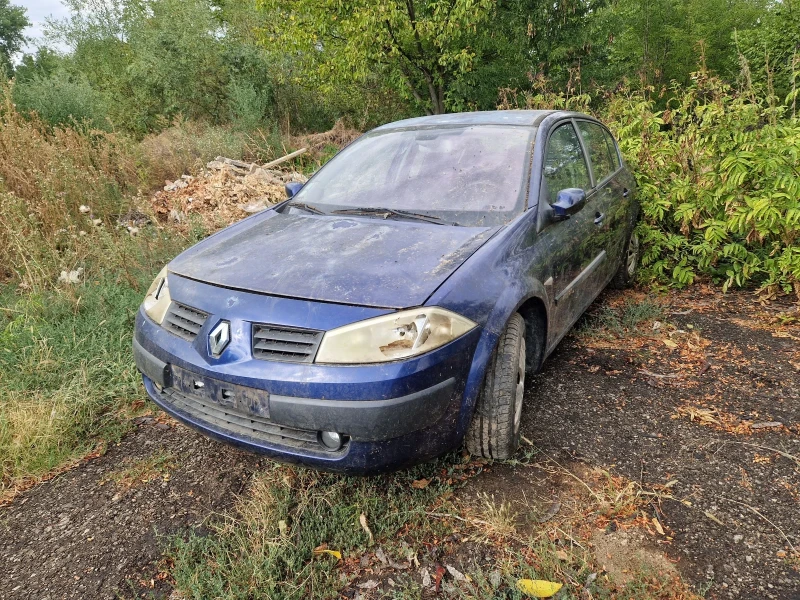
(266, 549)
(624, 319)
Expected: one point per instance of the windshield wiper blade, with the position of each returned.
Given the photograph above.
(306, 207)
(387, 212)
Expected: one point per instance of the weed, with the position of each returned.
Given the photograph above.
(497, 520)
(627, 319)
(143, 471)
(266, 549)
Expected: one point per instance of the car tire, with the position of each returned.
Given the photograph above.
(495, 428)
(626, 273)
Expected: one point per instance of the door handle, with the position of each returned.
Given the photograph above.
(598, 218)
(625, 192)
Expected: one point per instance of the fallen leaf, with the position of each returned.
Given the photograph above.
(363, 520)
(658, 526)
(670, 344)
(438, 577)
(426, 578)
(457, 575)
(368, 585)
(561, 555)
(551, 512)
(320, 551)
(420, 484)
(538, 588)
(766, 424)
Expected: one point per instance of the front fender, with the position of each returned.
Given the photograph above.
(488, 288)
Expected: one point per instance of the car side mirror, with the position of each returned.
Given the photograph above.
(292, 188)
(568, 202)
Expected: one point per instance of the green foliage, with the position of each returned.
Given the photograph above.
(440, 55)
(718, 182)
(772, 52)
(61, 98)
(659, 41)
(12, 26)
(41, 64)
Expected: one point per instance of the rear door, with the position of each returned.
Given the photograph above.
(609, 204)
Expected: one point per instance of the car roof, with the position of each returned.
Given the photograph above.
(529, 118)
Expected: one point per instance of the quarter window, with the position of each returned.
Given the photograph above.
(564, 164)
(601, 148)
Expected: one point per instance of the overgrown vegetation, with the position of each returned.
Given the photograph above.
(717, 173)
(299, 533)
(718, 183)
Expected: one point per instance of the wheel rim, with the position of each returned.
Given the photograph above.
(633, 255)
(520, 389)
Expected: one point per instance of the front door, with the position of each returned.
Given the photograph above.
(569, 245)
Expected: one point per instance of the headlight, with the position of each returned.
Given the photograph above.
(157, 300)
(392, 337)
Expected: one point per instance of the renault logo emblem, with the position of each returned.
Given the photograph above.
(219, 338)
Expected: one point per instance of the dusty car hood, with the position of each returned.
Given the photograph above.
(363, 261)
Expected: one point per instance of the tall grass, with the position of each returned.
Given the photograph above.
(46, 175)
(67, 378)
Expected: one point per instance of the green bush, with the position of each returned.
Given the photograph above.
(719, 185)
(61, 98)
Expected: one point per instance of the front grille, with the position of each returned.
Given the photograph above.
(184, 321)
(242, 424)
(288, 344)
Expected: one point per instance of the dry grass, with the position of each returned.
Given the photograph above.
(186, 146)
(145, 470)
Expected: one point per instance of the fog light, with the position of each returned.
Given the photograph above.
(331, 440)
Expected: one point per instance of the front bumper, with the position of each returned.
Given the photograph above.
(360, 420)
(392, 414)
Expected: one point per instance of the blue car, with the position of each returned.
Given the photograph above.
(389, 310)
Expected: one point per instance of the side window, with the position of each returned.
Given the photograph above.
(612, 147)
(564, 163)
(597, 141)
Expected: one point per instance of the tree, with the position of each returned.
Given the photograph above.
(423, 47)
(658, 41)
(772, 50)
(12, 23)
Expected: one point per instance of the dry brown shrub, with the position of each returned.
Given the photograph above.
(46, 174)
(319, 143)
(186, 146)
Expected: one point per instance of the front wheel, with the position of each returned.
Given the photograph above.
(495, 428)
(630, 264)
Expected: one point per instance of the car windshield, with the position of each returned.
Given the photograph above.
(474, 176)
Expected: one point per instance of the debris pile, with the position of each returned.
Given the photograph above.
(226, 191)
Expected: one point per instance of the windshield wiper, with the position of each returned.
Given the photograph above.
(306, 207)
(392, 212)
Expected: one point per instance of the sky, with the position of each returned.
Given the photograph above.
(38, 11)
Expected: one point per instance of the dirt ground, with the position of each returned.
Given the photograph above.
(713, 417)
(94, 532)
(699, 409)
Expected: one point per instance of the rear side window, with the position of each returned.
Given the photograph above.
(564, 163)
(612, 147)
(601, 148)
